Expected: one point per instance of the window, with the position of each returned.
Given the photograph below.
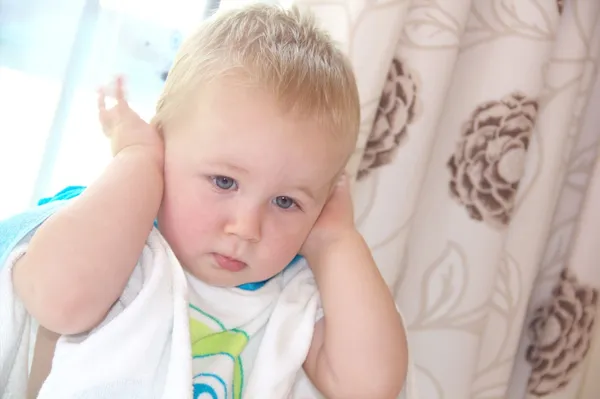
(53, 56)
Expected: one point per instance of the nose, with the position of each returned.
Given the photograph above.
(245, 223)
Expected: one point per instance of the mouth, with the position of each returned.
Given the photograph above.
(228, 263)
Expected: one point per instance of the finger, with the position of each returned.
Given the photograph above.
(106, 101)
(119, 89)
(341, 186)
(102, 112)
(341, 183)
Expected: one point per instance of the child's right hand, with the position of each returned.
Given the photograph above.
(123, 126)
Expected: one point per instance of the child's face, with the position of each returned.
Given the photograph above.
(244, 184)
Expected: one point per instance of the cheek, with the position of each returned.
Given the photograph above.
(187, 225)
(283, 239)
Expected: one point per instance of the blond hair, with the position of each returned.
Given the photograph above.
(279, 49)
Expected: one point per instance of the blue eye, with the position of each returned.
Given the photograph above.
(223, 182)
(284, 202)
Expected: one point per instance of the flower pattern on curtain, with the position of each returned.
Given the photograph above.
(398, 107)
(489, 159)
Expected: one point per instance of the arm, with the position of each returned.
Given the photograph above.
(359, 347)
(80, 259)
(78, 262)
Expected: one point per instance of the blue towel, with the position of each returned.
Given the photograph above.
(14, 229)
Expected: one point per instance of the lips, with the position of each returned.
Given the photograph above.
(227, 263)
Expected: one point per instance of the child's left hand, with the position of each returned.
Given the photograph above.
(123, 126)
(335, 222)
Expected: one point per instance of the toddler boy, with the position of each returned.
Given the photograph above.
(242, 169)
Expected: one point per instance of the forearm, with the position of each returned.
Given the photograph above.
(364, 342)
(78, 262)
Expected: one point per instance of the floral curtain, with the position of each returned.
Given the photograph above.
(477, 185)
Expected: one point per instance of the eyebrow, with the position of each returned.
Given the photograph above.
(229, 166)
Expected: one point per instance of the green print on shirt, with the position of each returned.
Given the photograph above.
(208, 342)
